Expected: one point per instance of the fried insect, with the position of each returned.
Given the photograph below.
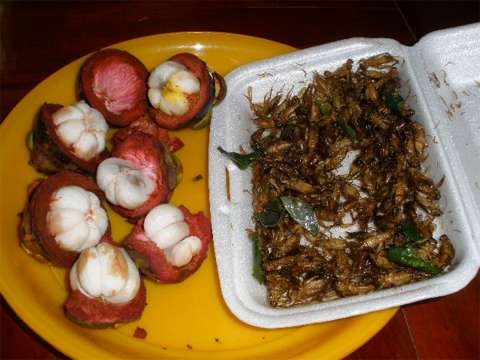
(303, 141)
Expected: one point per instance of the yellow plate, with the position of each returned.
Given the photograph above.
(184, 320)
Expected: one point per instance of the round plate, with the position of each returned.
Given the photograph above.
(184, 320)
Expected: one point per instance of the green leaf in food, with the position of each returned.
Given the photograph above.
(410, 230)
(302, 213)
(258, 272)
(325, 108)
(406, 256)
(272, 213)
(348, 129)
(394, 102)
(243, 161)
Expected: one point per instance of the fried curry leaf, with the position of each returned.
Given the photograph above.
(394, 102)
(257, 272)
(410, 230)
(272, 214)
(302, 213)
(406, 256)
(243, 161)
(348, 129)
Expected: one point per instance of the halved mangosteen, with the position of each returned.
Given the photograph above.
(106, 288)
(63, 216)
(114, 82)
(141, 174)
(170, 243)
(69, 138)
(182, 92)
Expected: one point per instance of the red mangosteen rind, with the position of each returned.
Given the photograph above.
(151, 260)
(28, 241)
(200, 103)
(146, 151)
(49, 154)
(35, 237)
(96, 313)
(104, 61)
(147, 126)
(140, 333)
(220, 88)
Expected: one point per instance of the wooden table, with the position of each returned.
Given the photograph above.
(38, 38)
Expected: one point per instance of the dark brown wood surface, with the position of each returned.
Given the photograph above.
(38, 38)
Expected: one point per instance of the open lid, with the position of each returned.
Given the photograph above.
(448, 73)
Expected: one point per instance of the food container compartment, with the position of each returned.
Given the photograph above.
(230, 187)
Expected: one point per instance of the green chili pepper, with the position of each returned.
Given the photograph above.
(272, 214)
(410, 230)
(348, 129)
(394, 102)
(243, 161)
(302, 213)
(406, 256)
(257, 272)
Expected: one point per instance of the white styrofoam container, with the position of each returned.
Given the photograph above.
(454, 151)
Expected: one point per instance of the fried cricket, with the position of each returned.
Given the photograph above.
(384, 204)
